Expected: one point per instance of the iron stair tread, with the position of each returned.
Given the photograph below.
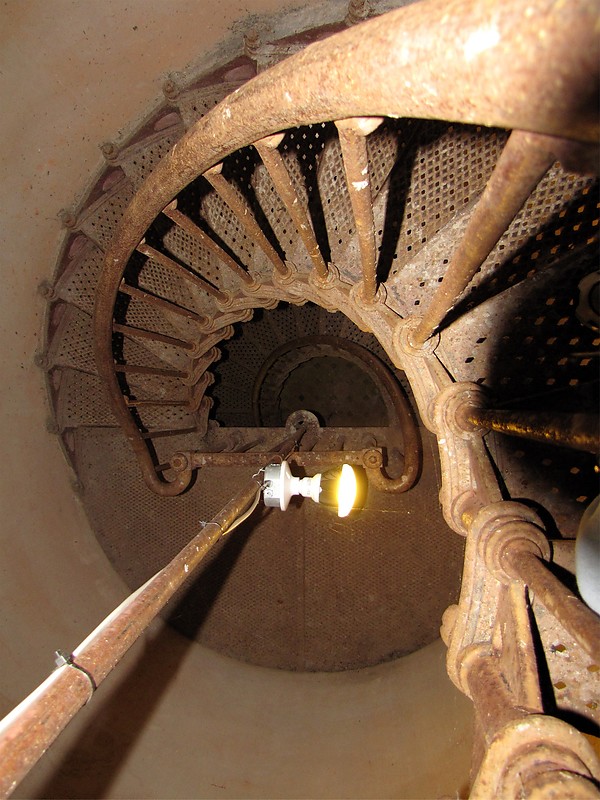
(154, 354)
(412, 283)
(564, 478)
(72, 343)
(76, 287)
(279, 219)
(77, 283)
(437, 177)
(335, 200)
(142, 315)
(100, 219)
(382, 148)
(192, 104)
(81, 401)
(433, 172)
(228, 228)
(467, 341)
(157, 387)
(166, 418)
(139, 159)
(164, 283)
(566, 663)
(537, 226)
(188, 250)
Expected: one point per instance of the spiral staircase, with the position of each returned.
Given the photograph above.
(305, 233)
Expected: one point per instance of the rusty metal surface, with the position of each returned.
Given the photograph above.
(276, 167)
(525, 347)
(236, 126)
(535, 746)
(570, 611)
(576, 431)
(127, 330)
(193, 230)
(353, 141)
(28, 731)
(170, 264)
(312, 459)
(161, 303)
(236, 203)
(494, 703)
(570, 678)
(541, 236)
(523, 163)
(501, 673)
(513, 637)
(517, 744)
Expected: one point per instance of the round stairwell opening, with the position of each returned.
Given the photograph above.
(323, 374)
(300, 591)
(340, 393)
(337, 390)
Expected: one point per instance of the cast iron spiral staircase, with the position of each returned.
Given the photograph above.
(328, 198)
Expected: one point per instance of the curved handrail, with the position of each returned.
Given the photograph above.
(383, 67)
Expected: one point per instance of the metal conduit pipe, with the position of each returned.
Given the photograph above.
(579, 431)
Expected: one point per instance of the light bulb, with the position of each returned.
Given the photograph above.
(336, 488)
(347, 490)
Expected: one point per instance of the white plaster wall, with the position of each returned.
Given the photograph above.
(174, 720)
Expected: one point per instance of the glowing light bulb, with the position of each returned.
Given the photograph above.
(336, 488)
(347, 490)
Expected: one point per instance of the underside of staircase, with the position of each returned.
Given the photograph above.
(290, 268)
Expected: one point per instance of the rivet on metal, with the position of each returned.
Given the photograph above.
(68, 218)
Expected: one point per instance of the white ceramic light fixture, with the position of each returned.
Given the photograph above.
(336, 488)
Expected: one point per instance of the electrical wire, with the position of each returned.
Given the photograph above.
(243, 517)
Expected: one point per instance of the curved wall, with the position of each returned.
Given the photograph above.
(174, 720)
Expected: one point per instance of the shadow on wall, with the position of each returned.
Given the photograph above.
(90, 766)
